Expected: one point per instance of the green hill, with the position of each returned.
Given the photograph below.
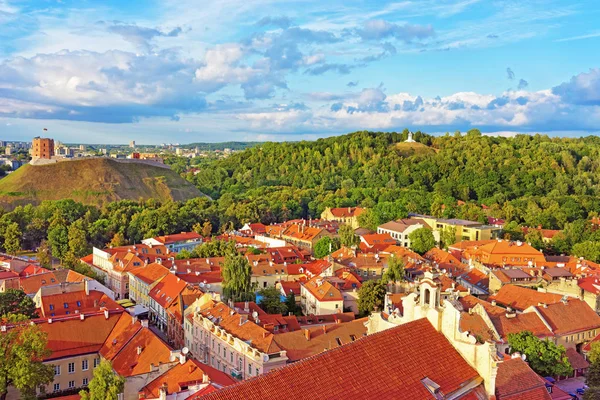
(93, 181)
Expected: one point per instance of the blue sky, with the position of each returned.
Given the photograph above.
(187, 70)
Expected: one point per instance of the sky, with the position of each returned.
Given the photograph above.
(182, 71)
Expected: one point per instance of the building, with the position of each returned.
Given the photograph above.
(345, 215)
(303, 236)
(132, 144)
(142, 280)
(231, 342)
(402, 228)
(42, 148)
(520, 298)
(177, 242)
(501, 253)
(384, 365)
(512, 276)
(162, 295)
(318, 296)
(376, 242)
(185, 380)
(464, 229)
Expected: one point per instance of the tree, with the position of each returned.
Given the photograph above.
(324, 247)
(535, 238)
(237, 275)
(290, 303)
(14, 301)
(206, 229)
(544, 357)
(368, 219)
(12, 238)
(43, 255)
(347, 236)
(370, 295)
(105, 385)
(117, 240)
(448, 236)
(271, 301)
(22, 349)
(78, 244)
(589, 250)
(394, 271)
(58, 237)
(421, 240)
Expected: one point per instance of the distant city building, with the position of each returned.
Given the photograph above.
(43, 148)
(8, 151)
(132, 144)
(179, 151)
(82, 147)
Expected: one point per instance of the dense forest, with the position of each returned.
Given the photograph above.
(527, 180)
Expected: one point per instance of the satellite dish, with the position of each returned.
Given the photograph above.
(254, 314)
(208, 285)
(185, 350)
(201, 284)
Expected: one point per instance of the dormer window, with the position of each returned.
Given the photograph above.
(66, 305)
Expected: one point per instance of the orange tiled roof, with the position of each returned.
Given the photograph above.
(570, 317)
(515, 380)
(68, 337)
(178, 237)
(230, 322)
(376, 242)
(441, 256)
(167, 290)
(521, 322)
(347, 212)
(520, 298)
(476, 326)
(76, 303)
(124, 329)
(154, 351)
(471, 301)
(182, 375)
(32, 283)
(322, 290)
(401, 225)
(290, 286)
(302, 232)
(576, 360)
(385, 365)
(321, 338)
(150, 273)
(503, 252)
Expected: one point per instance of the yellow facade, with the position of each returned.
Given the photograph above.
(72, 372)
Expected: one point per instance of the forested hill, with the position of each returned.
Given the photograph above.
(534, 179)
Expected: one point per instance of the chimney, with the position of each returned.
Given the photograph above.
(307, 334)
(49, 320)
(265, 334)
(162, 391)
(145, 323)
(81, 317)
(181, 358)
(139, 350)
(324, 328)
(191, 368)
(106, 314)
(493, 302)
(87, 288)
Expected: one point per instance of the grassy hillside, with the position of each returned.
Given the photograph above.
(93, 181)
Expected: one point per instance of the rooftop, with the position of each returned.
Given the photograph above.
(385, 365)
(520, 298)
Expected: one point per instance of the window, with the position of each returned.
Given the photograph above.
(96, 362)
(249, 369)
(224, 352)
(78, 303)
(373, 273)
(71, 384)
(71, 368)
(231, 354)
(57, 370)
(84, 365)
(240, 364)
(66, 305)
(68, 312)
(56, 387)
(51, 307)
(84, 382)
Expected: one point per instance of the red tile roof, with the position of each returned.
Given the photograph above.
(290, 286)
(570, 317)
(576, 360)
(125, 328)
(376, 242)
(322, 290)
(516, 380)
(182, 375)
(71, 336)
(471, 301)
(178, 237)
(521, 322)
(347, 212)
(321, 338)
(167, 290)
(150, 273)
(520, 298)
(76, 303)
(385, 365)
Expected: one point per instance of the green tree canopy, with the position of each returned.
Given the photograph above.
(43, 255)
(14, 301)
(543, 356)
(590, 250)
(12, 239)
(271, 301)
(394, 271)
(535, 238)
(325, 246)
(237, 275)
(105, 385)
(290, 303)
(421, 240)
(347, 236)
(371, 294)
(21, 350)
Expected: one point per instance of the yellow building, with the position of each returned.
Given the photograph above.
(345, 215)
(465, 230)
(142, 280)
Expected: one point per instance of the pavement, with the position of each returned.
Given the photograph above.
(572, 384)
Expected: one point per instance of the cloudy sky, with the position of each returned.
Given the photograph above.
(188, 70)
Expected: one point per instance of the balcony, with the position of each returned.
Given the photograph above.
(236, 374)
